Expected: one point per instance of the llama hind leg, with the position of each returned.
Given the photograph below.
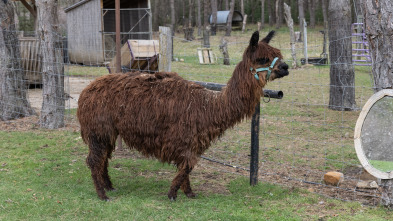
(97, 162)
(107, 180)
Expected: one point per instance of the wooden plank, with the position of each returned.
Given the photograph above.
(200, 56)
(144, 48)
(206, 59)
(211, 56)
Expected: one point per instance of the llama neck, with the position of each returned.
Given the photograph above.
(241, 95)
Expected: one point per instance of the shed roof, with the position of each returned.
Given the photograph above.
(105, 4)
(222, 17)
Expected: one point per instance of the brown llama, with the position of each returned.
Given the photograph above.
(164, 116)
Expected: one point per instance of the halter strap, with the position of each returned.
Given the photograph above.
(268, 69)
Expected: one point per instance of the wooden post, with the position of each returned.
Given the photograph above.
(224, 50)
(118, 53)
(288, 18)
(259, 26)
(244, 23)
(305, 41)
(206, 37)
(254, 161)
(165, 61)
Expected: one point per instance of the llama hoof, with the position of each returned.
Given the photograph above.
(191, 195)
(172, 198)
(111, 189)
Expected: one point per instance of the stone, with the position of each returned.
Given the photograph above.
(369, 184)
(333, 178)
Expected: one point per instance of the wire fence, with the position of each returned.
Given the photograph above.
(301, 139)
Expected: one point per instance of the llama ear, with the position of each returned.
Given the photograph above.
(254, 40)
(268, 37)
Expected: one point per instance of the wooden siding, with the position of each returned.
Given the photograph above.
(85, 40)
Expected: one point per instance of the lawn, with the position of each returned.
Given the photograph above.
(44, 177)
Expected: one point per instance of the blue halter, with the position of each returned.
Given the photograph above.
(268, 69)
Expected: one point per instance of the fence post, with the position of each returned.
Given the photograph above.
(165, 61)
(305, 41)
(255, 146)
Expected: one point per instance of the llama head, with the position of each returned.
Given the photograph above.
(264, 62)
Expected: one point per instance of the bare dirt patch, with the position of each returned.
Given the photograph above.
(73, 87)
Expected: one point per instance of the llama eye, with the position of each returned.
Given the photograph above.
(262, 61)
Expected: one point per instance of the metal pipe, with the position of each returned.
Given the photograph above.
(254, 161)
(218, 87)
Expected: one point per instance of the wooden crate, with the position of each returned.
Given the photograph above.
(139, 55)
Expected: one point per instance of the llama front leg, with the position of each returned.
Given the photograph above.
(178, 181)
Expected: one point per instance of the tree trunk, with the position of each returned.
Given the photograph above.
(13, 89)
(342, 85)
(262, 14)
(242, 7)
(301, 18)
(173, 19)
(227, 7)
(324, 13)
(52, 112)
(229, 22)
(206, 12)
(379, 32)
(279, 13)
(214, 17)
(311, 8)
(199, 23)
(272, 14)
(288, 18)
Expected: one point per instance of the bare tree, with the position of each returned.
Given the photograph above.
(301, 17)
(262, 13)
(230, 16)
(311, 9)
(227, 7)
(324, 13)
(173, 19)
(342, 75)
(206, 12)
(242, 7)
(272, 14)
(379, 29)
(288, 18)
(52, 112)
(199, 22)
(13, 89)
(214, 17)
(279, 13)
(32, 8)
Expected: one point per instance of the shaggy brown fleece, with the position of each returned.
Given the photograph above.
(166, 117)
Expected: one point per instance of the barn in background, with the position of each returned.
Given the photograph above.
(91, 28)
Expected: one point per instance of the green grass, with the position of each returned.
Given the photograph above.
(385, 166)
(44, 177)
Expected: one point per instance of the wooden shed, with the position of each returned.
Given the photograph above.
(91, 28)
